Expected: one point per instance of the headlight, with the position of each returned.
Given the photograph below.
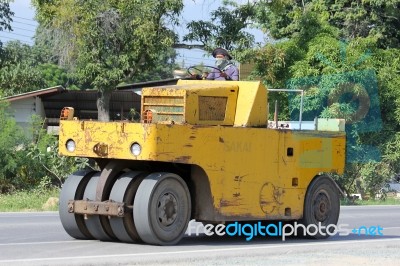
(70, 145)
(136, 149)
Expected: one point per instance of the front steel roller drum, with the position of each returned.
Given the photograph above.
(73, 189)
(162, 209)
(94, 223)
(124, 190)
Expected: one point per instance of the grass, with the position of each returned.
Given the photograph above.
(28, 201)
(35, 201)
(388, 201)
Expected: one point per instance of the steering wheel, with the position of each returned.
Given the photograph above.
(191, 68)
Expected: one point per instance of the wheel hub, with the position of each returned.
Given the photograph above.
(167, 209)
(321, 207)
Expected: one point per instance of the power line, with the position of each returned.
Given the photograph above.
(13, 39)
(24, 23)
(24, 18)
(17, 34)
(23, 29)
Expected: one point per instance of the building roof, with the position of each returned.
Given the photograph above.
(43, 92)
(171, 81)
(54, 99)
(394, 187)
(123, 99)
(84, 103)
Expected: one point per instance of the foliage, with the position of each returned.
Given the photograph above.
(17, 74)
(5, 17)
(163, 68)
(27, 164)
(370, 18)
(226, 28)
(341, 78)
(44, 152)
(54, 75)
(19, 78)
(340, 82)
(11, 155)
(22, 70)
(28, 200)
(107, 42)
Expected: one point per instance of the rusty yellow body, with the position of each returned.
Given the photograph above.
(237, 168)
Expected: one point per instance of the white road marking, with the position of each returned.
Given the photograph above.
(45, 243)
(27, 214)
(200, 251)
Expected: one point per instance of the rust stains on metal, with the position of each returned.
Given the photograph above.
(238, 178)
(277, 194)
(88, 136)
(183, 159)
(106, 208)
(101, 149)
(270, 198)
(227, 203)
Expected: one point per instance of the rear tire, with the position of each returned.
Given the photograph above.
(73, 189)
(94, 223)
(162, 209)
(322, 206)
(124, 190)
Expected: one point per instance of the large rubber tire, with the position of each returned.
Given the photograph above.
(124, 190)
(162, 209)
(73, 189)
(321, 205)
(94, 223)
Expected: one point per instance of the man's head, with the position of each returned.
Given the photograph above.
(221, 53)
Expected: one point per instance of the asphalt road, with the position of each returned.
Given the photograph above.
(39, 239)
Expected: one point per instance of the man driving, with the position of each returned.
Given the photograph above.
(226, 69)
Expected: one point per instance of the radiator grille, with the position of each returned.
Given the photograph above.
(166, 108)
(212, 108)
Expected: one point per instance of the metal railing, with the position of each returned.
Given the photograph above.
(301, 101)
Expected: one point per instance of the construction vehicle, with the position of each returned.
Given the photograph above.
(202, 150)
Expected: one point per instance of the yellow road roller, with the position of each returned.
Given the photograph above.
(203, 150)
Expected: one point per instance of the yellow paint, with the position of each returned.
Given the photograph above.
(254, 173)
(251, 108)
(187, 103)
(241, 163)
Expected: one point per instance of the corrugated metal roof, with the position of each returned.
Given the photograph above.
(43, 92)
(123, 99)
(156, 83)
(84, 103)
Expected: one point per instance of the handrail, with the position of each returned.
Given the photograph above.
(301, 101)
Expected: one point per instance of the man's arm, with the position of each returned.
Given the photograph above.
(232, 73)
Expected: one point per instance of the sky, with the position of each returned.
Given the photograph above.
(24, 27)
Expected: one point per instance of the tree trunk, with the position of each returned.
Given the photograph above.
(103, 105)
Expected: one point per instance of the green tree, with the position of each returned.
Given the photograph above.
(310, 55)
(11, 144)
(226, 28)
(106, 42)
(27, 163)
(162, 68)
(373, 18)
(23, 70)
(5, 18)
(45, 162)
